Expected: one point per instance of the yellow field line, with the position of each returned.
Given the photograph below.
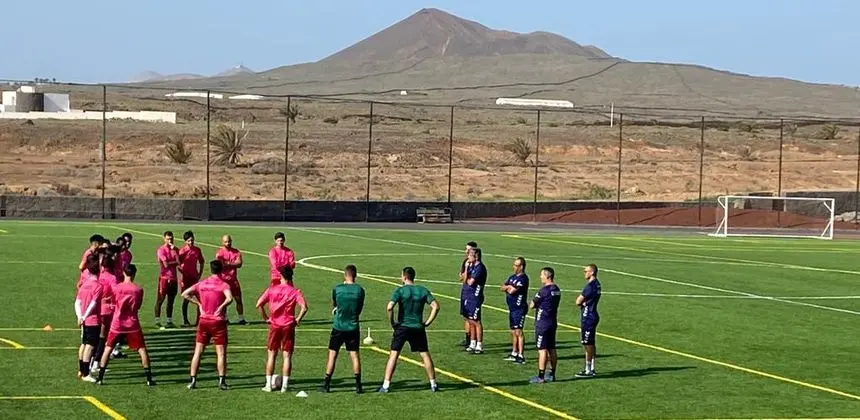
(104, 408)
(16, 346)
(88, 398)
(489, 388)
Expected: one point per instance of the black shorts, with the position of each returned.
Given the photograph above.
(90, 334)
(416, 337)
(545, 337)
(588, 331)
(340, 338)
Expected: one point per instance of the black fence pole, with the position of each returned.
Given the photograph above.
(618, 185)
(451, 154)
(857, 184)
(537, 159)
(779, 202)
(286, 157)
(369, 154)
(208, 158)
(701, 167)
(104, 146)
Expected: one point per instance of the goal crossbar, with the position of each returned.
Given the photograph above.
(724, 207)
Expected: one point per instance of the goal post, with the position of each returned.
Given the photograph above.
(782, 217)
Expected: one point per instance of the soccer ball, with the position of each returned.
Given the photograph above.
(277, 381)
(368, 341)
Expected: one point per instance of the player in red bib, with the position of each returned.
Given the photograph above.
(211, 296)
(191, 264)
(96, 242)
(88, 310)
(280, 256)
(108, 280)
(126, 324)
(231, 259)
(282, 300)
(168, 263)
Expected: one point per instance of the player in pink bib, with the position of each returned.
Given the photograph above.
(88, 310)
(280, 256)
(168, 282)
(190, 269)
(231, 259)
(96, 241)
(126, 323)
(212, 296)
(282, 300)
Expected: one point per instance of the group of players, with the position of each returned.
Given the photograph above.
(108, 302)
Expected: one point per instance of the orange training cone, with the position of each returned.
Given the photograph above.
(48, 328)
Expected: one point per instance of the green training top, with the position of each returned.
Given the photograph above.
(410, 300)
(348, 302)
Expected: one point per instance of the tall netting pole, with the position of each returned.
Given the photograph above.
(451, 155)
(618, 185)
(369, 156)
(701, 167)
(103, 146)
(286, 156)
(780, 208)
(537, 159)
(208, 158)
(857, 184)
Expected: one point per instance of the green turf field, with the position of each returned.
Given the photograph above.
(691, 327)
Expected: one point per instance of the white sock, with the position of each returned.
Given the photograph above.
(591, 365)
(285, 382)
(473, 343)
(386, 384)
(158, 320)
(588, 366)
(514, 353)
(432, 383)
(269, 381)
(479, 346)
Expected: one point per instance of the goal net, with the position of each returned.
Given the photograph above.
(785, 217)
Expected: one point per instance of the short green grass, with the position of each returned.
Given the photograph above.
(691, 327)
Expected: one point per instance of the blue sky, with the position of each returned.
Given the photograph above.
(111, 41)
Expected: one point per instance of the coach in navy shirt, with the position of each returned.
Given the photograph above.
(589, 318)
(473, 300)
(545, 304)
(516, 289)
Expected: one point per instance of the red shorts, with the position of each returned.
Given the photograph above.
(282, 338)
(216, 331)
(133, 339)
(188, 281)
(167, 287)
(235, 289)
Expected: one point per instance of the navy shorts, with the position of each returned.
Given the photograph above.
(588, 331)
(545, 337)
(517, 319)
(471, 308)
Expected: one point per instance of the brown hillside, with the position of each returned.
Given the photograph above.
(432, 33)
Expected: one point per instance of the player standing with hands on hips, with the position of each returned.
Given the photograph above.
(589, 318)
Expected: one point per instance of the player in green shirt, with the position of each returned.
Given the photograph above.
(347, 300)
(410, 325)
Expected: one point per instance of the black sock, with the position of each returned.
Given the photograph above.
(102, 370)
(327, 380)
(185, 312)
(358, 380)
(86, 368)
(148, 372)
(552, 372)
(193, 379)
(222, 379)
(468, 338)
(81, 367)
(541, 373)
(100, 349)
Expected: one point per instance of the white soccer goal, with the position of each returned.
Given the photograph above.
(783, 217)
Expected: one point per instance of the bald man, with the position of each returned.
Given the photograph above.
(231, 258)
